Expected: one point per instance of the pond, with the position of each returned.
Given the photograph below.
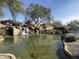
(35, 46)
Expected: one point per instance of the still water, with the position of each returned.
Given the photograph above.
(36, 46)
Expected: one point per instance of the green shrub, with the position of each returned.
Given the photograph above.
(1, 31)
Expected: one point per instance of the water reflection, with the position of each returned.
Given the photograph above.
(60, 52)
(9, 40)
(36, 46)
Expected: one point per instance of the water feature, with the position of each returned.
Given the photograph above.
(36, 46)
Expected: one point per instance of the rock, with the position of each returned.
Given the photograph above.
(7, 56)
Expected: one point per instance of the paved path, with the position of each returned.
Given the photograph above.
(7, 56)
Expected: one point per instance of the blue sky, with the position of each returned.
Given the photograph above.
(62, 10)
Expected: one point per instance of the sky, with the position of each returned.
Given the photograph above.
(62, 10)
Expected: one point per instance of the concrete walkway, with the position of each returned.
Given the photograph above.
(7, 56)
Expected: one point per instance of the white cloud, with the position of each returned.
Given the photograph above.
(66, 20)
(4, 18)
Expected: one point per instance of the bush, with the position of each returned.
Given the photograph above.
(1, 31)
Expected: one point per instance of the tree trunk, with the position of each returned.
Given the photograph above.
(12, 11)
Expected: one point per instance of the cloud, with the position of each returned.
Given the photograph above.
(66, 20)
(4, 18)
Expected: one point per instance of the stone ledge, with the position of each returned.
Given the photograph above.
(7, 56)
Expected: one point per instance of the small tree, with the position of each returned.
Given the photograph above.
(37, 13)
(15, 6)
(73, 25)
(57, 23)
